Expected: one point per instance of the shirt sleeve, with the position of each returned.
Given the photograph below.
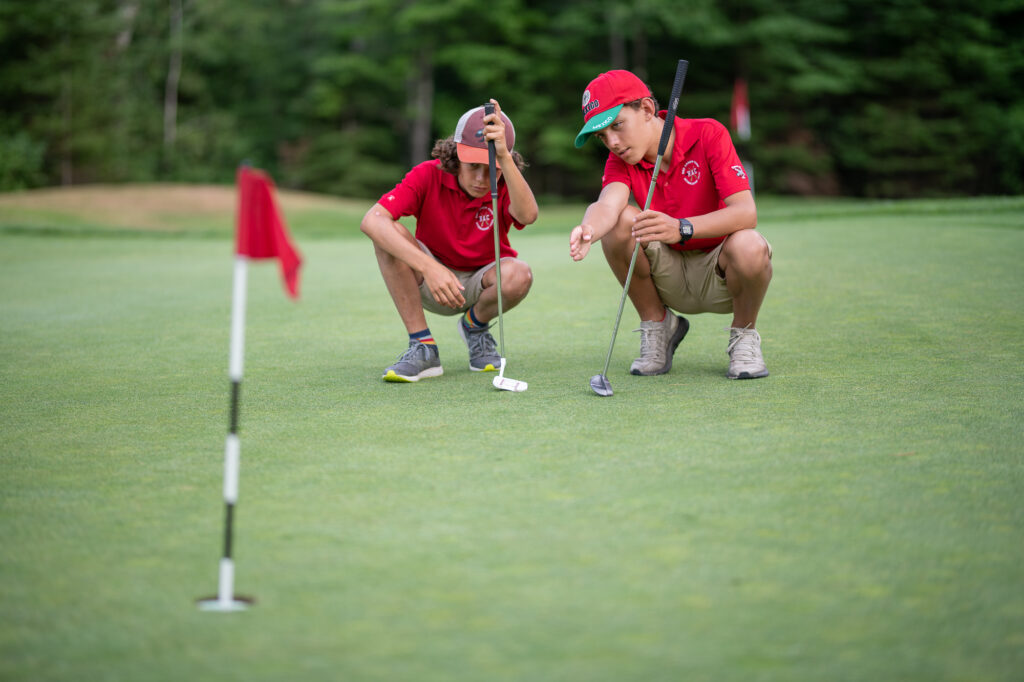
(726, 167)
(505, 201)
(407, 196)
(615, 170)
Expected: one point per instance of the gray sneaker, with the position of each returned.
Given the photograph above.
(658, 342)
(419, 361)
(483, 355)
(745, 359)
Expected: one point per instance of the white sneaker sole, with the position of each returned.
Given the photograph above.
(748, 375)
(394, 377)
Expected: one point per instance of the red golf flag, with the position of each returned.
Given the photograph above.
(740, 114)
(261, 231)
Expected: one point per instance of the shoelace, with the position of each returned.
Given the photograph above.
(412, 351)
(743, 346)
(651, 341)
(480, 342)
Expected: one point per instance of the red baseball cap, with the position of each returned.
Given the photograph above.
(605, 96)
(470, 143)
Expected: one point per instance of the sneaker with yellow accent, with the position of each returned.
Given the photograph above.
(745, 359)
(658, 342)
(419, 361)
(483, 354)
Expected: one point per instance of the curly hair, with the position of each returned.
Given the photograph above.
(447, 152)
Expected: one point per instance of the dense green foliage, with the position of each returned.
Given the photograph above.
(887, 99)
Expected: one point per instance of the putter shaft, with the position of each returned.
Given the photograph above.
(677, 88)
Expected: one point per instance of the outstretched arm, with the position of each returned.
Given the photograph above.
(598, 220)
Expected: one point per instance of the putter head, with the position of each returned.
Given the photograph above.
(599, 385)
(505, 384)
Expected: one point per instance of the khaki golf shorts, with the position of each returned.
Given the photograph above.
(472, 280)
(689, 281)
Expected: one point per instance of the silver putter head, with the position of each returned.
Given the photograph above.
(503, 383)
(599, 385)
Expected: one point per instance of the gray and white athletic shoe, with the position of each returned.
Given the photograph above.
(483, 354)
(419, 361)
(745, 359)
(658, 342)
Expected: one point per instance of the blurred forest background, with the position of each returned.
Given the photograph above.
(866, 98)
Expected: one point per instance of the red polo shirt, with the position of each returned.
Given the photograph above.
(453, 225)
(703, 171)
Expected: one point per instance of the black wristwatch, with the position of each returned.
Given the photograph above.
(685, 230)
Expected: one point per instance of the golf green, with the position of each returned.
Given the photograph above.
(857, 515)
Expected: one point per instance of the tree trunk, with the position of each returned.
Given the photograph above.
(421, 97)
(67, 176)
(640, 52)
(616, 41)
(128, 10)
(173, 75)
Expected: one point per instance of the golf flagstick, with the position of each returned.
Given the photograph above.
(226, 600)
(599, 382)
(260, 233)
(501, 381)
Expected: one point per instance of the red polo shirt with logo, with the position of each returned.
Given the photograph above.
(453, 225)
(703, 171)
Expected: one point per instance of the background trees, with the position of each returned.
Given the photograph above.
(888, 99)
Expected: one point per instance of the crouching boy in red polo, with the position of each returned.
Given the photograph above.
(700, 251)
(448, 266)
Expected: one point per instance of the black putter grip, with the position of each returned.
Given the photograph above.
(491, 162)
(673, 104)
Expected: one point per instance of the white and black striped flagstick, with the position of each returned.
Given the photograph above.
(226, 600)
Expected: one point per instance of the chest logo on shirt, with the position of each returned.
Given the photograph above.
(484, 218)
(691, 172)
(740, 173)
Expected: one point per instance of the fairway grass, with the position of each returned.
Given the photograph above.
(857, 515)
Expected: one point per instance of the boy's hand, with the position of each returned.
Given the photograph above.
(580, 239)
(495, 130)
(654, 226)
(444, 286)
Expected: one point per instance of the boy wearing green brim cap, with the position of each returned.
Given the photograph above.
(700, 252)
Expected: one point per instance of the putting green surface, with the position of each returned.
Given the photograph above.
(858, 515)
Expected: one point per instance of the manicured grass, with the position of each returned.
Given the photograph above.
(857, 515)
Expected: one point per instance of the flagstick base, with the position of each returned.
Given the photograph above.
(225, 599)
(238, 603)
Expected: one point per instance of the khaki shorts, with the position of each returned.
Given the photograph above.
(471, 279)
(689, 281)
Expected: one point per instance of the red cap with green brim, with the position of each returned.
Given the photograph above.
(604, 97)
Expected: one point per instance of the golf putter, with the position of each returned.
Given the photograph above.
(501, 381)
(599, 382)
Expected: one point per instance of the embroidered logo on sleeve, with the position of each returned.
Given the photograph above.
(740, 173)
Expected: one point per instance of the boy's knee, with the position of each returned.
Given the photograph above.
(748, 247)
(519, 280)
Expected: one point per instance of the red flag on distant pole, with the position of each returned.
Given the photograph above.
(261, 231)
(739, 117)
